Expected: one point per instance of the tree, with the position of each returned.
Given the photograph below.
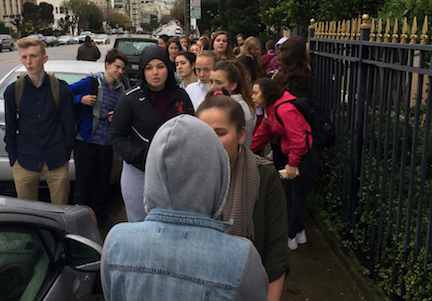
(119, 20)
(67, 23)
(83, 10)
(209, 15)
(18, 23)
(95, 17)
(177, 13)
(32, 15)
(292, 13)
(46, 12)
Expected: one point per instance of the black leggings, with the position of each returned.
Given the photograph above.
(296, 190)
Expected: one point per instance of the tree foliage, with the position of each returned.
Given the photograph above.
(86, 12)
(116, 20)
(292, 13)
(177, 13)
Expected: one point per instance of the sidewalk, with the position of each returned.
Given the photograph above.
(317, 274)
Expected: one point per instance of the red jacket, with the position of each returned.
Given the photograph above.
(292, 133)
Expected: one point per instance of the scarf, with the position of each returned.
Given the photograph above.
(243, 193)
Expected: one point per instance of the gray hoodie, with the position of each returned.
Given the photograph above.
(187, 168)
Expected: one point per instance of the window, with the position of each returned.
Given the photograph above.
(24, 262)
(56, 10)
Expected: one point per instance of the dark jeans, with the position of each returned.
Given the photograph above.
(296, 190)
(93, 165)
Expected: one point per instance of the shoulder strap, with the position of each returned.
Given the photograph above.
(55, 89)
(280, 121)
(19, 87)
(54, 84)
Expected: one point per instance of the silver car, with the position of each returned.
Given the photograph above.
(48, 252)
(69, 71)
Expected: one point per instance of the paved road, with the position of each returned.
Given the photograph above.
(10, 59)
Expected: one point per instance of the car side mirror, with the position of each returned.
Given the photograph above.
(84, 254)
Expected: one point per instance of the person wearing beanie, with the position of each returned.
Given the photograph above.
(180, 251)
(88, 51)
(137, 116)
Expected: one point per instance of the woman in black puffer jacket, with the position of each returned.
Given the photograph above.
(137, 116)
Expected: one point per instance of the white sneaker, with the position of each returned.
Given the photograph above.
(301, 238)
(292, 244)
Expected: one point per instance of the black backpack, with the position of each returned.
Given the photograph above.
(323, 130)
(78, 112)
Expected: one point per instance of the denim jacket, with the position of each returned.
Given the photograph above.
(178, 255)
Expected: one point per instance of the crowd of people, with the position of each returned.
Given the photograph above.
(208, 215)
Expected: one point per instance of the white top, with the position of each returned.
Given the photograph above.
(250, 118)
(197, 92)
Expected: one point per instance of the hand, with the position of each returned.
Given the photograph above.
(290, 172)
(88, 100)
(110, 115)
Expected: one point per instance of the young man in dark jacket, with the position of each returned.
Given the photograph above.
(93, 151)
(39, 133)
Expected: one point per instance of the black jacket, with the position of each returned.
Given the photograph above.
(136, 118)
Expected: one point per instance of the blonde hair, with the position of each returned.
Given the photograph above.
(249, 44)
(208, 53)
(27, 42)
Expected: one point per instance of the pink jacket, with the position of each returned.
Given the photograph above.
(292, 133)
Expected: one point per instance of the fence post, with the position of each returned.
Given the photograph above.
(358, 133)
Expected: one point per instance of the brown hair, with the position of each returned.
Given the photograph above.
(27, 42)
(114, 54)
(205, 41)
(294, 72)
(270, 90)
(250, 43)
(236, 73)
(229, 51)
(170, 41)
(223, 102)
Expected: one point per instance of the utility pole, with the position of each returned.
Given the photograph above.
(187, 16)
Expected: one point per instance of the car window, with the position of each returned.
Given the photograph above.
(24, 262)
(133, 47)
(70, 78)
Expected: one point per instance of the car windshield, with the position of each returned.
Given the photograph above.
(67, 77)
(64, 38)
(133, 47)
(101, 36)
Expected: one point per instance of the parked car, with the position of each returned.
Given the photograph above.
(74, 40)
(65, 40)
(132, 46)
(37, 35)
(83, 35)
(48, 252)
(51, 41)
(6, 42)
(102, 39)
(71, 72)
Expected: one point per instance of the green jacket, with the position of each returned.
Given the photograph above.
(271, 223)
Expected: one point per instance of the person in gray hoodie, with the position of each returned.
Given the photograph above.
(180, 251)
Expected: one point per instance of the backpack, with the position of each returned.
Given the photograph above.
(323, 130)
(19, 88)
(96, 84)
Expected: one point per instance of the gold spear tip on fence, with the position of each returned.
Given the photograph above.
(312, 24)
(365, 22)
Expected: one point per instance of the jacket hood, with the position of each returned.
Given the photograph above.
(155, 52)
(187, 168)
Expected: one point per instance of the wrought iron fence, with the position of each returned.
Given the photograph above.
(375, 86)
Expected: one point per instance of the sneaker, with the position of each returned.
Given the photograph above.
(106, 224)
(301, 238)
(292, 244)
